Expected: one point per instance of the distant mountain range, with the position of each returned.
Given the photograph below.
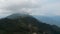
(53, 20)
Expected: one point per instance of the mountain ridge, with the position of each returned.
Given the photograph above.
(54, 20)
(16, 15)
(26, 24)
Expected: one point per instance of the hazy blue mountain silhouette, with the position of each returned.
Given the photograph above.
(50, 20)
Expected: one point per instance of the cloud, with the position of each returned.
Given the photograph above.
(33, 7)
(13, 6)
(48, 8)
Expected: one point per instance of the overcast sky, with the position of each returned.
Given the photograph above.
(33, 7)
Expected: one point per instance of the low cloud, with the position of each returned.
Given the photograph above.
(33, 7)
(17, 6)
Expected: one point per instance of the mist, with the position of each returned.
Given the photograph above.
(8, 7)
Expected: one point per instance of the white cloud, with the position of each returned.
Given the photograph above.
(34, 7)
(48, 8)
(13, 6)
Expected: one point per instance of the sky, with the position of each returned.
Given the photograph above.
(33, 7)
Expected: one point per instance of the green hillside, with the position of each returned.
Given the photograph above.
(26, 25)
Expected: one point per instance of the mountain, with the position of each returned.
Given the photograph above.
(25, 24)
(57, 18)
(17, 15)
(18, 23)
(53, 20)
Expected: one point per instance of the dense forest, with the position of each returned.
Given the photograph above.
(26, 24)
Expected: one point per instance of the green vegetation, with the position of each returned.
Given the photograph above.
(26, 25)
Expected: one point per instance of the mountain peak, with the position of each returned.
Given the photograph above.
(16, 15)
